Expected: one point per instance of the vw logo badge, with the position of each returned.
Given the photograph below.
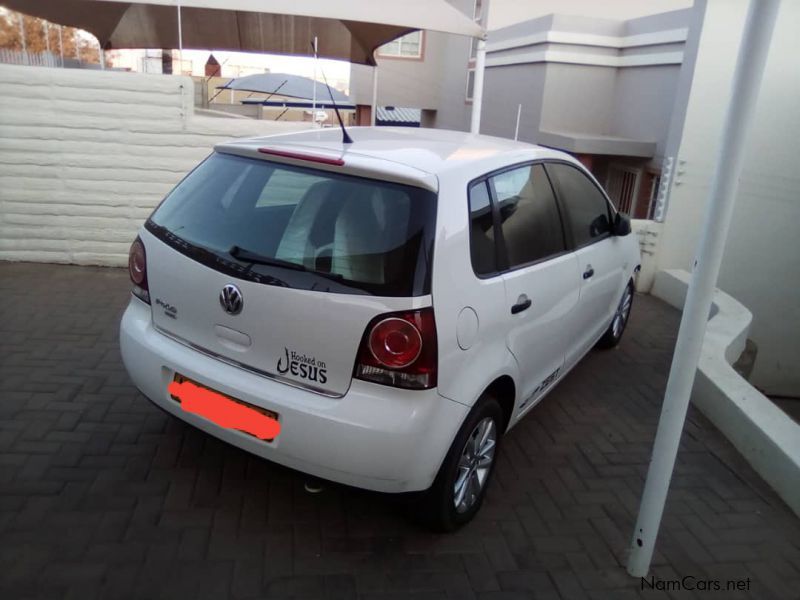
(230, 298)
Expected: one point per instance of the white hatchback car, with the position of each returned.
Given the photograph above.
(378, 313)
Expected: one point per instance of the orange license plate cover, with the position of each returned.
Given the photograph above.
(224, 410)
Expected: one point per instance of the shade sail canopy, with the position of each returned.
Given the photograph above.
(284, 84)
(348, 30)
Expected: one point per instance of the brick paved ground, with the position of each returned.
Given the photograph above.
(102, 495)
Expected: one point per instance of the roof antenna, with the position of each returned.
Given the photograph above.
(346, 139)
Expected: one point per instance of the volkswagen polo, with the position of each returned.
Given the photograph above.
(376, 313)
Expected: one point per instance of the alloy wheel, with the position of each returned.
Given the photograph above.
(623, 312)
(475, 464)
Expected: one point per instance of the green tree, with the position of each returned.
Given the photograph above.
(76, 42)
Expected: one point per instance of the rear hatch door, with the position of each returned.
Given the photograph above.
(279, 268)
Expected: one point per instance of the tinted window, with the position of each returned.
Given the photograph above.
(529, 216)
(587, 208)
(482, 246)
(317, 230)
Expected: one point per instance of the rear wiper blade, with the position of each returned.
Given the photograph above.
(259, 259)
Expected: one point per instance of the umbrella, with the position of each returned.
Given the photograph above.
(348, 30)
(283, 84)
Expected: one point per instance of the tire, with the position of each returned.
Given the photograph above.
(616, 328)
(438, 508)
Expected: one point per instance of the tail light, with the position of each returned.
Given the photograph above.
(399, 349)
(137, 268)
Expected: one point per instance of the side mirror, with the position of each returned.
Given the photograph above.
(622, 224)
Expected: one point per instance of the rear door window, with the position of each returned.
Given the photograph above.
(302, 227)
(588, 211)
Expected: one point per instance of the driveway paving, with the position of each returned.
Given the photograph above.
(102, 495)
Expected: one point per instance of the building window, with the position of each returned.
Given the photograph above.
(633, 191)
(407, 46)
(655, 190)
(470, 84)
(623, 187)
(648, 196)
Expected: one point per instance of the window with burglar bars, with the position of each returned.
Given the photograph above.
(623, 187)
(646, 211)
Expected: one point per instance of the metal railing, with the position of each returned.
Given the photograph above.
(35, 59)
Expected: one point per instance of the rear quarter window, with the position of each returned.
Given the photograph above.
(481, 240)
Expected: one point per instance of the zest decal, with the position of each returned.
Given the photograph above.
(547, 381)
(542, 387)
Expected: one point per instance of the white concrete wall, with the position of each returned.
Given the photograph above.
(761, 268)
(406, 82)
(85, 156)
(648, 233)
(508, 87)
(583, 76)
(503, 13)
(765, 435)
(643, 104)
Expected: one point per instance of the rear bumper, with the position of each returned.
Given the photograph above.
(374, 437)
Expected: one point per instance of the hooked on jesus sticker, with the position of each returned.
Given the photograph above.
(303, 366)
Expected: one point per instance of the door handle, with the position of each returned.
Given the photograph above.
(523, 303)
(588, 272)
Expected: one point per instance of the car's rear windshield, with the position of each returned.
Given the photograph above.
(301, 228)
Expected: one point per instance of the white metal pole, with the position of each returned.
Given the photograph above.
(728, 166)
(480, 68)
(180, 42)
(22, 38)
(47, 36)
(516, 129)
(61, 45)
(374, 111)
(102, 55)
(477, 87)
(314, 92)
